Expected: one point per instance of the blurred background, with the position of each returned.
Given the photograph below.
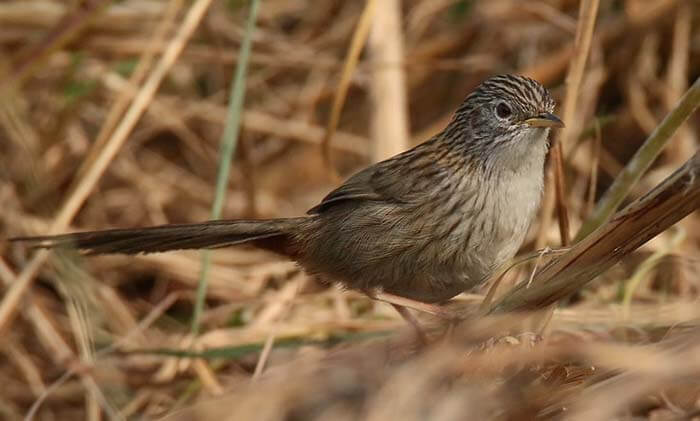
(71, 72)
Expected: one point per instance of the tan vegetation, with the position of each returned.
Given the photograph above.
(111, 115)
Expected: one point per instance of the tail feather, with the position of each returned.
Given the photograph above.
(205, 235)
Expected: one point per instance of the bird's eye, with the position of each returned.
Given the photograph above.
(503, 110)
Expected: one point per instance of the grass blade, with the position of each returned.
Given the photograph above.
(229, 141)
(641, 161)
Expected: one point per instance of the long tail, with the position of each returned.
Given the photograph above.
(271, 234)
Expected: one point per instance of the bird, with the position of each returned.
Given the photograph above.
(424, 225)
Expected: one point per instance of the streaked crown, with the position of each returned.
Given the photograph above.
(526, 95)
(503, 108)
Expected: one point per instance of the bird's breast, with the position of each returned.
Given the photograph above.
(492, 221)
(516, 202)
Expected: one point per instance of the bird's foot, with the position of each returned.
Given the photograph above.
(434, 309)
(402, 306)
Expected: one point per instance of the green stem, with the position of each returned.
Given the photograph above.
(229, 141)
(641, 161)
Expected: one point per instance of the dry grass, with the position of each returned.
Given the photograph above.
(111, 114)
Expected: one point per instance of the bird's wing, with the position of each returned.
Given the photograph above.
(386, 181)
(357, 187)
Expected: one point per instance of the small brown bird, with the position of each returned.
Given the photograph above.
(425, 225)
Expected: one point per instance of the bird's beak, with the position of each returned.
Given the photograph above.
(545, 120)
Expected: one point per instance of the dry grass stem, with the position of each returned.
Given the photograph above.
(639, 222)
(356, 46)
(111, 116)
(388, 82)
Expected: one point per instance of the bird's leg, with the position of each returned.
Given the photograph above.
(408, 317)
(402, 304)
(396, 300)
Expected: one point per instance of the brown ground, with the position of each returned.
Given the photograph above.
(99, 338)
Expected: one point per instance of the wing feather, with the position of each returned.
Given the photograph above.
(386, 181)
